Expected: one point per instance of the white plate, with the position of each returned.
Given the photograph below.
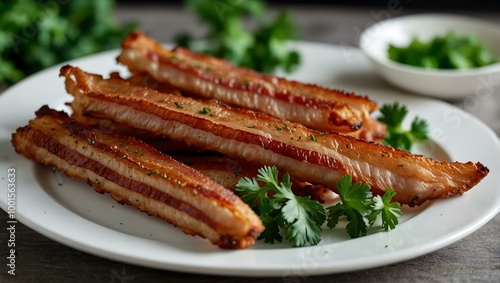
(71, 213)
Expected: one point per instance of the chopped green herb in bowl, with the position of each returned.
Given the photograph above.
(451, 51)
(439, 55)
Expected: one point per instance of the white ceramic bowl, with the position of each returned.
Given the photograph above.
(444, 84)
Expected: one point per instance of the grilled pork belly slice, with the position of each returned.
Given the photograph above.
(223, 170)
(162, 144)
(137, 174)
(308, 155)
(314, 106)
(227, 171)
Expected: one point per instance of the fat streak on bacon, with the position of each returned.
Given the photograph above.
(209, 77)
(137, 174)
(319, 158)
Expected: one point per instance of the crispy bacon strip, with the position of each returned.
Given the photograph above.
(227, 171)
(223, 170)
(306, 154)
(137, 174)
(162, 144)
(314, 106)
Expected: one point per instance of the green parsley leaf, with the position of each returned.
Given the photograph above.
(257, 198)
(252, 194)
(393, 116)
(361, 209)
(270, 220)
(302, 216)
(355, 204)
(390, 212)
(299, 217)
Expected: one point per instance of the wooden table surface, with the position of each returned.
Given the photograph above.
(476, 258)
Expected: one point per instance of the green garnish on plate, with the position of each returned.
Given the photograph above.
(300, 219)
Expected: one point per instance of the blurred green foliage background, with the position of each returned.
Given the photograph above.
(37, 34)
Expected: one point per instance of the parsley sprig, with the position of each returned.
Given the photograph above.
(358, 204)
(300, 219)
(393, 116)
(278, 207)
